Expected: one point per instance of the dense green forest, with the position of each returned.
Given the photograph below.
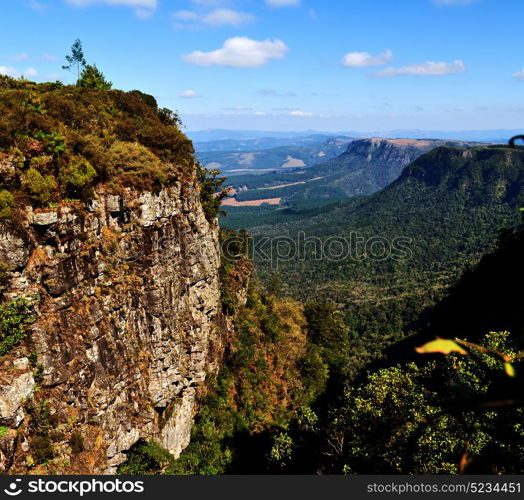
(421, 231)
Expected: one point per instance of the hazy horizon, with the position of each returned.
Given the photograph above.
(480, 135)
(334, 131)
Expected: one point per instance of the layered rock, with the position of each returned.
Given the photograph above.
(128, 323)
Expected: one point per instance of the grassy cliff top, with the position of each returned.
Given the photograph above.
(60, 141)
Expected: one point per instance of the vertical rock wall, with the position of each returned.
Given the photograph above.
(128, 321)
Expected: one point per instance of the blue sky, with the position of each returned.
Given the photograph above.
(289, 64)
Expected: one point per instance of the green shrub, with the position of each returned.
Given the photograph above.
(41, 163)
(34, 104)
(314, 371)
(228, 298)
(211, 192)
(41, 447)
(39, 187)
(327, 330)
(54, 143)
(169, 118)
(134, 164)
(15, 316)
(282, 449)
(147, 98)
(3, 431)
(6, 203)
(78, 177)
(147, 458)
(92, 78)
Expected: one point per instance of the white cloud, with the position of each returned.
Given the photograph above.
(36, 5)
(222, 17)
(30, 73)
(295, 112)
(238, 108)
(186, 15)
(216, 17)
(519, 75)
(298, 112)
(453, 2)
(48, 58)
(362, 59)
(189, 94)
(14, 73)
(239, 111)
(424, 69)
(144, 13)
(240, 52)
(9, 71)
(18, 57)
(142, 8)
(282, 3)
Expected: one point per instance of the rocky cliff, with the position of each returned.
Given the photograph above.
(127, 323)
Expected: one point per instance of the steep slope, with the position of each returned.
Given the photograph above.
(366, 166)
(487, 298)
(112, 311)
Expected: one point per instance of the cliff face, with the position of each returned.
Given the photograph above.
(127, 325)
(369, 165)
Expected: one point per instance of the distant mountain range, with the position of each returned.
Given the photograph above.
(242, 135)
(263, 143)
(299, 154)
(494, 135)
(366, 166)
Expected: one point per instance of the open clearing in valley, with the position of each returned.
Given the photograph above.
(232, 202)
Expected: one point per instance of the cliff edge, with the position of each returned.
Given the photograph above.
(111, 303)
